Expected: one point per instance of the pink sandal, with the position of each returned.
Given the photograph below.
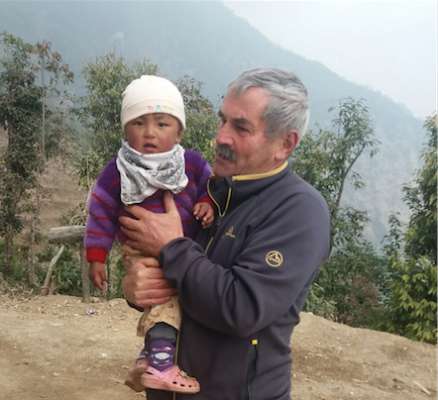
(172, 379)
(133, 379)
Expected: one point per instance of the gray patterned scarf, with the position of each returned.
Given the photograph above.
(141, 175)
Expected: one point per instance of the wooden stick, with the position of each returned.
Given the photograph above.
(66, 234)
(423, 389)
(46, 285)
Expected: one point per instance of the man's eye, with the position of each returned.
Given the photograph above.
(241, 129)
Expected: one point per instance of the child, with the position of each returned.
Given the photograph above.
(150, 161)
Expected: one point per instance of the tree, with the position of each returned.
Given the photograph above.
(421, 198)
(201, 120)
(326, 159)
(412, 255)
(54, 75)
(21, 108)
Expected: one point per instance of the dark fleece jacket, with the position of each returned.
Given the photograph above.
(243, 283)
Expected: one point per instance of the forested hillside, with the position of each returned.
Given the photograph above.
(206, 41)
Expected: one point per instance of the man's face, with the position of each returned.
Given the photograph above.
(242, 147)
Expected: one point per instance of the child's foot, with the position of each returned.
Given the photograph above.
(172, 379)
(134, 380)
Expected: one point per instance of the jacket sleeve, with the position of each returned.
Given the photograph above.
(103, 205)
(203, 174)
(280, 258)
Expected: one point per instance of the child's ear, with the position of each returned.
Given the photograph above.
(179, 136)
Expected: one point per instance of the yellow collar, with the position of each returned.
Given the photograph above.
(262, 175)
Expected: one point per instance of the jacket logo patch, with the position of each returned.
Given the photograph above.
(230, 232)
(274, 258)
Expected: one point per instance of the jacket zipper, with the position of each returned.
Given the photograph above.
(227, 203)
(220, 213)
(252, 366)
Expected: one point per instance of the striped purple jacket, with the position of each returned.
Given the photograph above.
(105, 206)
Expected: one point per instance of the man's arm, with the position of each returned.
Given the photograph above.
(251, 294)
(149, 232)
(144, 284)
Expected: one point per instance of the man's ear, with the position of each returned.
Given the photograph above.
(292, 140)
(288, 143)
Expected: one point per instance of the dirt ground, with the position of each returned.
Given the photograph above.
(57, 347)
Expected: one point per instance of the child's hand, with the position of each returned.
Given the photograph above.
(204, 212)
(98, 275)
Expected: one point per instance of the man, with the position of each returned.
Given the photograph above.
(244, 281)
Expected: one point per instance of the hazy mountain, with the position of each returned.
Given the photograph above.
(208, 42)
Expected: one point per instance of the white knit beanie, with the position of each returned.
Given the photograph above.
(151, 94)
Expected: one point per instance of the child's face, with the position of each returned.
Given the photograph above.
(153, 133)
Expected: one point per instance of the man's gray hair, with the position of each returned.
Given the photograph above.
(288, 107)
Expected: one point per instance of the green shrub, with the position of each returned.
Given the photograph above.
(412, 301)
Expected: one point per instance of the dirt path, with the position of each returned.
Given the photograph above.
(56, 347)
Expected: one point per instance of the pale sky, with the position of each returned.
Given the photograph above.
(387, 45)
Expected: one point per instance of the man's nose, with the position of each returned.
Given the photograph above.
(223, 135)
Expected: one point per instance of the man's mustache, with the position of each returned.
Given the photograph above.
(224, 151)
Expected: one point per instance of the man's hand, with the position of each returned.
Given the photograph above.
(144, 284)
(98, 276)
(149, 232)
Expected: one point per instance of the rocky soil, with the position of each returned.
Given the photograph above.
(57, 347)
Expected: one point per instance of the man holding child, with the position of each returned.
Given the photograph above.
(244, 280)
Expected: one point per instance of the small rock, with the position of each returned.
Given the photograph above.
(90, 311)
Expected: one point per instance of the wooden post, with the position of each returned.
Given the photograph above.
(31, 276)
(46, 286)
(84, 274)
(74, 234)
